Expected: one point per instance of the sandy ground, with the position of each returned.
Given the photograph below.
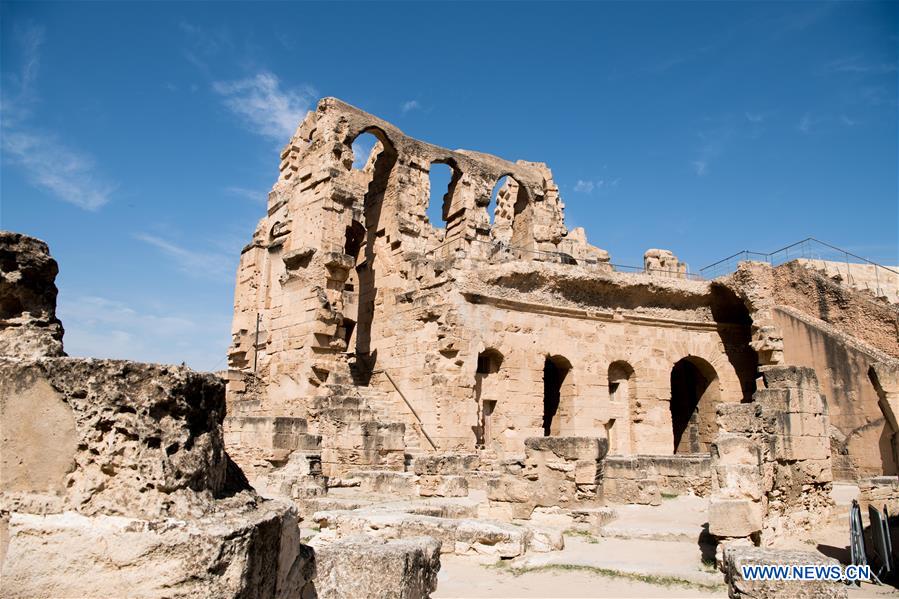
(463, 577)
(659, 542)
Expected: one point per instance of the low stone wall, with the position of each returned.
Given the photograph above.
(644, 479)
(879, 491)
(557, 471)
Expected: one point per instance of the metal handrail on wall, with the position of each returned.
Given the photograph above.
(806, 249)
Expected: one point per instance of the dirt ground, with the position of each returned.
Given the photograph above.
(646, 552)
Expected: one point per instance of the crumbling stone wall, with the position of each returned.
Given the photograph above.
(772, 463)
(556, 471)
(114, 476)
(805, 319)
(350, 283)
(28, 323)
(643, 479)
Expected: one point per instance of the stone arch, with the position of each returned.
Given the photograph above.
(558, 396)
(441, 212)
(511, 219)
(695, 393)
(356, 141)
(622, 382)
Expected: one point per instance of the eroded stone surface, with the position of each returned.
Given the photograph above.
(366, 567)
(737, 556)
(28, 324)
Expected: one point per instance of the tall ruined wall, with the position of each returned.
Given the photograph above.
(862, 442)
(808, 320)
(341, 248)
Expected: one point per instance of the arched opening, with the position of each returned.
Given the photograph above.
(441, 182)
(509, 212)
(557, 386)
(372, 249)
(622, 393)
(365, 148)
(695, 392)
(486, 395)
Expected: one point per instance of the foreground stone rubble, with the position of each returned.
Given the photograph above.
(400, 389)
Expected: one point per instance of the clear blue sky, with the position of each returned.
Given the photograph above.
(139, 140)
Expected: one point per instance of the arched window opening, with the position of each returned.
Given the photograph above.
(487, 394)
(499, 195)
(507, 208)
(622, 393)
(695, 392)
(557, 395)
(442, 179)
(365, 147)
(376, 176)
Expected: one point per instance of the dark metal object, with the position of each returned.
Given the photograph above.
(857, 537)
(883, 553)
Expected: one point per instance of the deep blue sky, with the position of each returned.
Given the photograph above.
(139, 140)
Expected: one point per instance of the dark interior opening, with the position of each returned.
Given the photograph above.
(554, 373)
(688, 385)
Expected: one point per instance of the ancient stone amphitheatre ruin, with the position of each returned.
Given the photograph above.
(409, 401)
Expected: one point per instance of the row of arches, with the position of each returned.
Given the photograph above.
(508, 198)
(695, 392)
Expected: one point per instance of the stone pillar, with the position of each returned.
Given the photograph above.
(788, 424)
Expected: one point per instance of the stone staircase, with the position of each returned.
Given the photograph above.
(354, 435)
(384, 399)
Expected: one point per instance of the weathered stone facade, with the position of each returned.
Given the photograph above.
(521, 326)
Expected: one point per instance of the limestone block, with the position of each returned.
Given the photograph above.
(643, 491)
(365, 567)
(140, 440)
(238, 551)
(736, 556)
(739, 481)
(734, 517)
(799, 447)
(736, 417)
(448, 463)
(733, 449)
(448, 485)
(568, 448)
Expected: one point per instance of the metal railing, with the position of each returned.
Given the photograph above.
(855, 270)
(497, 251)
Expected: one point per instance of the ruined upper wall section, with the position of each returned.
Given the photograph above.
(321, 149)
(793, 285)
(336, 122)
(28, 324)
